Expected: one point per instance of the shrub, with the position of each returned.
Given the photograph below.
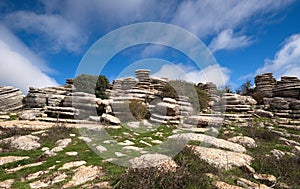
(138, 109)
(92, 84)
(101, 86)
(191, 173)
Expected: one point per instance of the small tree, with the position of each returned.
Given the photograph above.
(245, 88)
(101, 86)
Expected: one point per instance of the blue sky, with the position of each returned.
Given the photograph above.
(42, 42)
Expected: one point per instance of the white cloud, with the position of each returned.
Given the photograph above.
(286, 60)
(57, 32)
(209, 17)
(214, 73)
(226, 40)
(19, 67)
(67, 25)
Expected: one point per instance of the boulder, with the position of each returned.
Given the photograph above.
(279, 103)
(264, 113)
(31, 114)
(244, 141)
(221, 158)
(209, 140)
(84, 174)
(26, 142)
(270, 179)
(159, 161)
(110, 119)
(248, 184)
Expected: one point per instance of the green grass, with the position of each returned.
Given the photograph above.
(190, 174)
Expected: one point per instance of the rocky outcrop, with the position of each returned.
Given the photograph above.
(165, 112)
(265, 83)
(221, 158)
(159, 161)
(237, 103)
(10, 99)
(244, 141)
(288, 87)
(84, 174)
(281, 97)
(185, 107)
(26, 142)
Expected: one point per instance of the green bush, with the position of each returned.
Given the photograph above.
(138, 109)
(101, 86)
(92, 84)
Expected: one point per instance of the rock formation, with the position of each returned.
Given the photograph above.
(10, 99)
(265, 83)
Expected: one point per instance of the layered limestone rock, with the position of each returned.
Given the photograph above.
(237, 108)
(145, 90)
(237, 103)
(288, 87)
(48, 96)
(10, 99)
(265, 83)
(212, 90)
(185, 107)
(59, 102)
(165, 112)
(286, 101)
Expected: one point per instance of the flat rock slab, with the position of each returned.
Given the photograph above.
(64, 142)
(26, 142)
(153, 160)
(72, 164)
(9, 159)
(83, 174)
(221, 158)
(223, 185)
(248, 184)
(23, 167)
(6, 184)
(35, 175)
(38, 184)
(209, 140)
(244, 141)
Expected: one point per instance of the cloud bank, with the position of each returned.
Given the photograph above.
(19, 67)
(286, 60)
(214, 73)
(69, 25)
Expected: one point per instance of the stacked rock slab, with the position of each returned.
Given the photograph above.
(265, 83)
(286, 99)
(165, 112)
(49, 96)
(212, 91)
(157, 83)
(237, 108)
(237, 103)
(60, 102)
(287, 87)
(185, 107)
(145, 90)
(10, 99)
(144, 79)
(84, 104)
